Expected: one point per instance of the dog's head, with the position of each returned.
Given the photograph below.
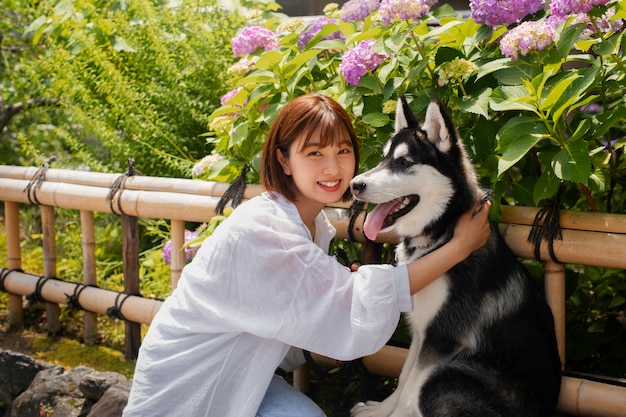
(424, 182)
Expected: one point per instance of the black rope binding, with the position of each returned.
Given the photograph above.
(234, 192)
(118, 186)
(72, 300)
(355, 208)
(115, 311)
(36, 296)
(4, 275)
(37, 180)
(343, 259)
(547, 226)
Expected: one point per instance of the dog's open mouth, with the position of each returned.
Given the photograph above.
(386, 214)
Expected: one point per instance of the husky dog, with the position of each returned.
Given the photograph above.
(483, 340)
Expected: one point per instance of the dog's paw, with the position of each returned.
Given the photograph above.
(366, 409)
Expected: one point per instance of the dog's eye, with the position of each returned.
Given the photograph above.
(403, 162)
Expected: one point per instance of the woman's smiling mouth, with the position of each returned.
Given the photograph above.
(330, 185)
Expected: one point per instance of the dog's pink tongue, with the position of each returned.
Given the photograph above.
(375, 219)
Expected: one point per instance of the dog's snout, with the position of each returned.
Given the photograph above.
(357, 187)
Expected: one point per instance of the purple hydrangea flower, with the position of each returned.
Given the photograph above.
(403, 9)
(527, 37)
(252, 38)
(356, 62)
(502, 12)
(190, 251)
(358, 10)
(315, 28)
(566, 7)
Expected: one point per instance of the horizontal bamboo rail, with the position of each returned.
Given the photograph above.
(587, 238)
(98, 300)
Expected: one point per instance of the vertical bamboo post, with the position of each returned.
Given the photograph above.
(554, 277)
(50, 264)
(130, 247)
(14, 261)
(177, 260)
(89, 271)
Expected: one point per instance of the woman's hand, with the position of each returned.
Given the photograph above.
(472, 231)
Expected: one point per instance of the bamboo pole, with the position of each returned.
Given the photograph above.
(90, 319)
(130, 248)
(135, 182)
(14, 261)
(97, 300)
(577, 246)
(50, 264)
(582, 397)
(177, 260)
(554, 282)
(577, 220)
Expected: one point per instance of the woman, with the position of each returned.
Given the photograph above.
(264, 283)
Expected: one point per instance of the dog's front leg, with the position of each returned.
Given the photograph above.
(375, 408)
(387, 407)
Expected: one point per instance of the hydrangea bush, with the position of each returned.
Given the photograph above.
(536, 89)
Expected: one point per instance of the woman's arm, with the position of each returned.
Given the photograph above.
(470, 233)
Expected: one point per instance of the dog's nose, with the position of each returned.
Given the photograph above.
(357, 187)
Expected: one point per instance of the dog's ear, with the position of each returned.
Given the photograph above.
(405, 117)
(436, 127)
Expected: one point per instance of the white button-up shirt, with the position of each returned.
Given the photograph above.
(258, 286)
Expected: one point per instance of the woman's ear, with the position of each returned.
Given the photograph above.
(284, 161)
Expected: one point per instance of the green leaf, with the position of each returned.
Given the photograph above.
(477, 103)
(610, 46)
(572, 162)
(269, 60)
(547, 186)
(376, 119)
(446, 54)
(556, 92)
(516, 151)
(507, 98)
(569, 36)
(257, 77)
(573, 92)
(516, 138)
(297, 62)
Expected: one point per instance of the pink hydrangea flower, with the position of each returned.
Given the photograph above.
(403, 9)
(190, 251)
(358, 10)
(356, 62)
(252, 38)
(527, 37)
(566, 7)
(502, 12)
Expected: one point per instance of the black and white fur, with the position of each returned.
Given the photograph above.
(483, 340)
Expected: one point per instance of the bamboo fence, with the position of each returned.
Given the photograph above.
(587, 238)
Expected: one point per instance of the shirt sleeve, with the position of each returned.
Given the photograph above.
(261, 274)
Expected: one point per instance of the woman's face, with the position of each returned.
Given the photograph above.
(321, 174)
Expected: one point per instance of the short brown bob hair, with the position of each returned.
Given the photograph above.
(306, 114)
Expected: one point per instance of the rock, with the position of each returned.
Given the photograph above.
(17, 371)
(112, 402)
(29, 388)
(94, 385)
(53, 393)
